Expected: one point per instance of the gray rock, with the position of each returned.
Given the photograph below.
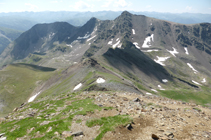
(136, 100)
(129, 127)
(155, 137)
(77, 133)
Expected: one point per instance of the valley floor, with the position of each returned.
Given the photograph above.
(107, 115)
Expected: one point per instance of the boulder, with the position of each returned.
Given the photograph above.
(77, 133)
(136, 100)
(155, 137)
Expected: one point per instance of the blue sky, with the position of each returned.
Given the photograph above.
(170, 6)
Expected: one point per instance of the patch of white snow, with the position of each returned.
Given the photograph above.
(164, 80)
(91, 38)
(195, 71)
(154, 90)
(155, 50)
(186, 50)
(148, 93)
(136, 44)
(196, 82)
(85, 37)
(33, 97)
(204, 81)
(147, 41)
(69, 45)
(100, 80)
(115, 45)
(160, 87)
(133, 31)
(110, 42)
(77, 87)
(173, 52)
(117, 39)
(161, 60)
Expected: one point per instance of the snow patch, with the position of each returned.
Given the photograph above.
(136, 44)
(173, 52)
(85, 37)
(110, 42)
(147, 41)
(133, 31)
(164, 80)
(186, 50)
(77, 87)
(154, 90)
(100, 80)
(196, 82)
(160, 87)
(195, 71)
(148, 93)
(117, 39)
(204, 80)
(155, 50)
(117, 45)
(151, 24)
(161, 60)
(51, 35)
(91, 38)
(33, 97)
(69, 45)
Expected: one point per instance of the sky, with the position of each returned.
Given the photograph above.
(164, 6)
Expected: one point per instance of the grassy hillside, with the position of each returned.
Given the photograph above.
(17, 82)
(6, 36)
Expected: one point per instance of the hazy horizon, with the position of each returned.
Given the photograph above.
(161, 6)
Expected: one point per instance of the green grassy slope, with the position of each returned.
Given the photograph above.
(17, 82)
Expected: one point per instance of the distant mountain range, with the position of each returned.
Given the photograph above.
(25, 20)
(18, 22)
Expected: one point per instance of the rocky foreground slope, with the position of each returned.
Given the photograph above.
(107, 115)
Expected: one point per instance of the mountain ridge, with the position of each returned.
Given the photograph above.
(131, 53)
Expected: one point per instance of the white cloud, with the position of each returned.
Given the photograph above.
(1, 3)
(81, 5)
(189, 8)
(31, 6)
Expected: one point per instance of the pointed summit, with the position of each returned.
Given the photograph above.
(126, 13)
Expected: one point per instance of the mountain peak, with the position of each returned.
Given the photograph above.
(126, 13)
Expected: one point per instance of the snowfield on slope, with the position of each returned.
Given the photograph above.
(118, 45)
(173, 52)
(186, 50)
(33, 97)
(100, 80)
(204, 80)
(195, 71)
(91, 38)
(196, 82)
(147, 41)
(136, 44)
(133, 31)
(160, 87)
(78, 86)
(161, 60)
(155, 50)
